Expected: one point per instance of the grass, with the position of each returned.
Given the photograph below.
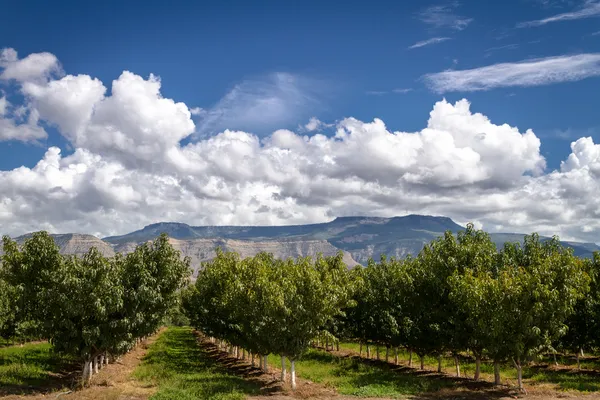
(351, 376)
(565, 377)
(181, 370)
(32, 368)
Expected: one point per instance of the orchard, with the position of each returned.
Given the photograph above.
(460, 295)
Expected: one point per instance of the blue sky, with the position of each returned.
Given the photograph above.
(203, 49)
(256, 67)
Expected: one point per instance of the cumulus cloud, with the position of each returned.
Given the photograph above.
(589, 9)
(429, 42)
(34, 67)
(131, 168)
(536, 72)
(19, 124)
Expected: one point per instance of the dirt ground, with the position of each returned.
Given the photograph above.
(111, 383)
(114, 382)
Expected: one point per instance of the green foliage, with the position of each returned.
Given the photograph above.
(267, 305)
(87, 305)
(584, 324)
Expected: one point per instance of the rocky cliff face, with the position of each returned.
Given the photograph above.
(76, 244)
(199, 250)
(360, 238)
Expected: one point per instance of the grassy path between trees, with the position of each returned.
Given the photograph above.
(181, 369)
(176, 365)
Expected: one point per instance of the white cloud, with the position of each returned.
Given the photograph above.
(197, 111)
(313, 124)
(34, 67)
(21, 125)
(428, 42)
(130, 168)
(589, 9)
(402, 90)
(134, 124)
(536, 72)
(442, 16)
(262, 105)
(375, 92)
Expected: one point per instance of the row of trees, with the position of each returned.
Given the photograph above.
(459, 294)
(264, 305)
(91, 306)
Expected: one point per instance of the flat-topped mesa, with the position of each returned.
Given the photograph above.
(360, 237)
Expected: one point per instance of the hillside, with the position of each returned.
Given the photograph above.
(360, 238)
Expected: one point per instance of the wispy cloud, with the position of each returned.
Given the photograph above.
(589, 9)
(263, 104)
(429, 42)
(488, 52)
(505, 47)
(443, 16)
(536, 72)
(375, 92)
(384, 92)
(402, 90)
(595, 33)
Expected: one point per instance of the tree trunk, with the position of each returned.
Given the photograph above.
(106, 359)
(439, 363)
(519, 368)
(422, 362)
(387, 354)
(410, 358)
(327, 344)
(395, 356)
(293, 373)
(87, 372)
(337, 345)
(368, 351)
(283, 371)
(243, 354)
(578, 361)
(96, 364)
(266, 366)
(253, 359)
(581, 350)
(101, 361)
(457, 366)
(496, 373)
(378, 353)
(360, 350)
(477, 366)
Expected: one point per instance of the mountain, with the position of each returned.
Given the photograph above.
(360, 238)
(75, 243)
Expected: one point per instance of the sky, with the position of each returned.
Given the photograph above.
(115, 115)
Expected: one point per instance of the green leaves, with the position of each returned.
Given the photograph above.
(88, 305)
(267, 305)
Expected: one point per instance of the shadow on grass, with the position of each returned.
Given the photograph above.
(181, 366)
(35, 369)
(564, 377)
(368, 377)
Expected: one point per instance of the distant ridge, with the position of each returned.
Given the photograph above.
(359, 237)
